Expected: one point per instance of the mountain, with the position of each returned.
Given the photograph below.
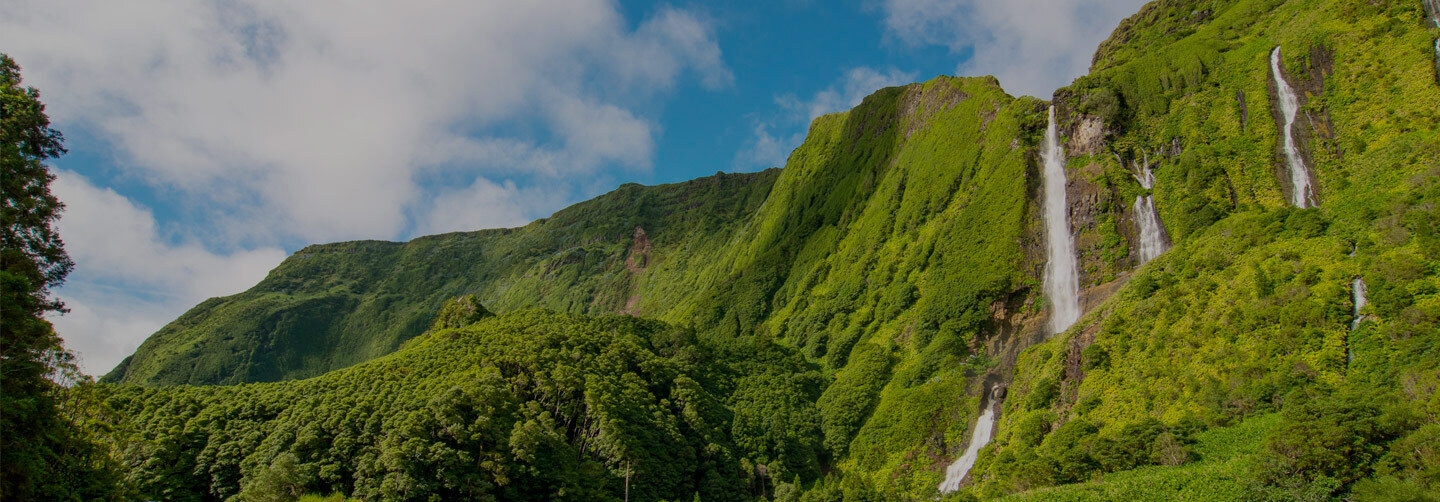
(848, 324)
(330, 306)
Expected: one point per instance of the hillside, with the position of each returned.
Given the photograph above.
(334, 305)
(858, 304)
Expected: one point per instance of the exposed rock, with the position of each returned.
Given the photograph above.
(1088, 137)
(1244, 112)
(635, 263)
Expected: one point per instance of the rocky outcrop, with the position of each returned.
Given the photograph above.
(635, 263)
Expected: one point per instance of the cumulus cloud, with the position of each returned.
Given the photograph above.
(768, 148)
(1032, 46)
(129, 279)
(316, 118)
(486, 204)
(765, 149)
(845, 93)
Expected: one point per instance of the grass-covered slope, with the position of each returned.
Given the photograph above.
(333, 305)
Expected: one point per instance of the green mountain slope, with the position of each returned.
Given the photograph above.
(333, 305)
(1252, 310)
(856, 304)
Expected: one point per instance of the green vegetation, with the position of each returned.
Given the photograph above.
(1250, 313)
(45, 449)
(334, 305)
(528, 405)
(824, 332)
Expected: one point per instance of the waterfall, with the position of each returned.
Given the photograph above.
(1152, 231)
(1062, 287)
(1434, 7)
(1062, 282)
(957, 471)
(1302, 195)
(1357, 290)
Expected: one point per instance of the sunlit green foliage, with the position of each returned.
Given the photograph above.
(529, 405)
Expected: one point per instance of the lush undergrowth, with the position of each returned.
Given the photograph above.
(1223, 457)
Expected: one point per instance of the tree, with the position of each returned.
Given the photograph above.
(42, 454)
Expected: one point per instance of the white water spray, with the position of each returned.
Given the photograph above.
(1357, 290)
(1062, 282)
(956, 472)
(1152, 231)
(1302, 195)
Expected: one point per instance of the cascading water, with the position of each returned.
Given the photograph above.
(1062, 282)
(1303, 195)
(1152, 231)
(1062, 287)
(1357, 290)
(1434, 7)
(956, 472)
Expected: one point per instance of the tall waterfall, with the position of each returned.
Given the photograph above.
(1357, 290)
(1303, 195)
(1152, 231)
(956, 472)
(1062, 287)
(1062, 282)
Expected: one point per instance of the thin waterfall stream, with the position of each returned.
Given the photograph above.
(984, 429)
(1152, 230)
(1301, 195)
(1357, 291)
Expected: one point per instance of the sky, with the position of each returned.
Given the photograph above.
(209, 140)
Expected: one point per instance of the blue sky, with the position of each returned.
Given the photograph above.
(209, 141)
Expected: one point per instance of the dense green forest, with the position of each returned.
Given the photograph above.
(827, 331)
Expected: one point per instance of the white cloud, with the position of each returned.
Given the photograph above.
(314, 118)
(1032, 46)
(128, 281)
(846, 93)
(768, 148)
(486, 204)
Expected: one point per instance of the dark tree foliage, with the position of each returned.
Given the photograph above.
(41, 455)
(1327, 440)
(530, 405)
